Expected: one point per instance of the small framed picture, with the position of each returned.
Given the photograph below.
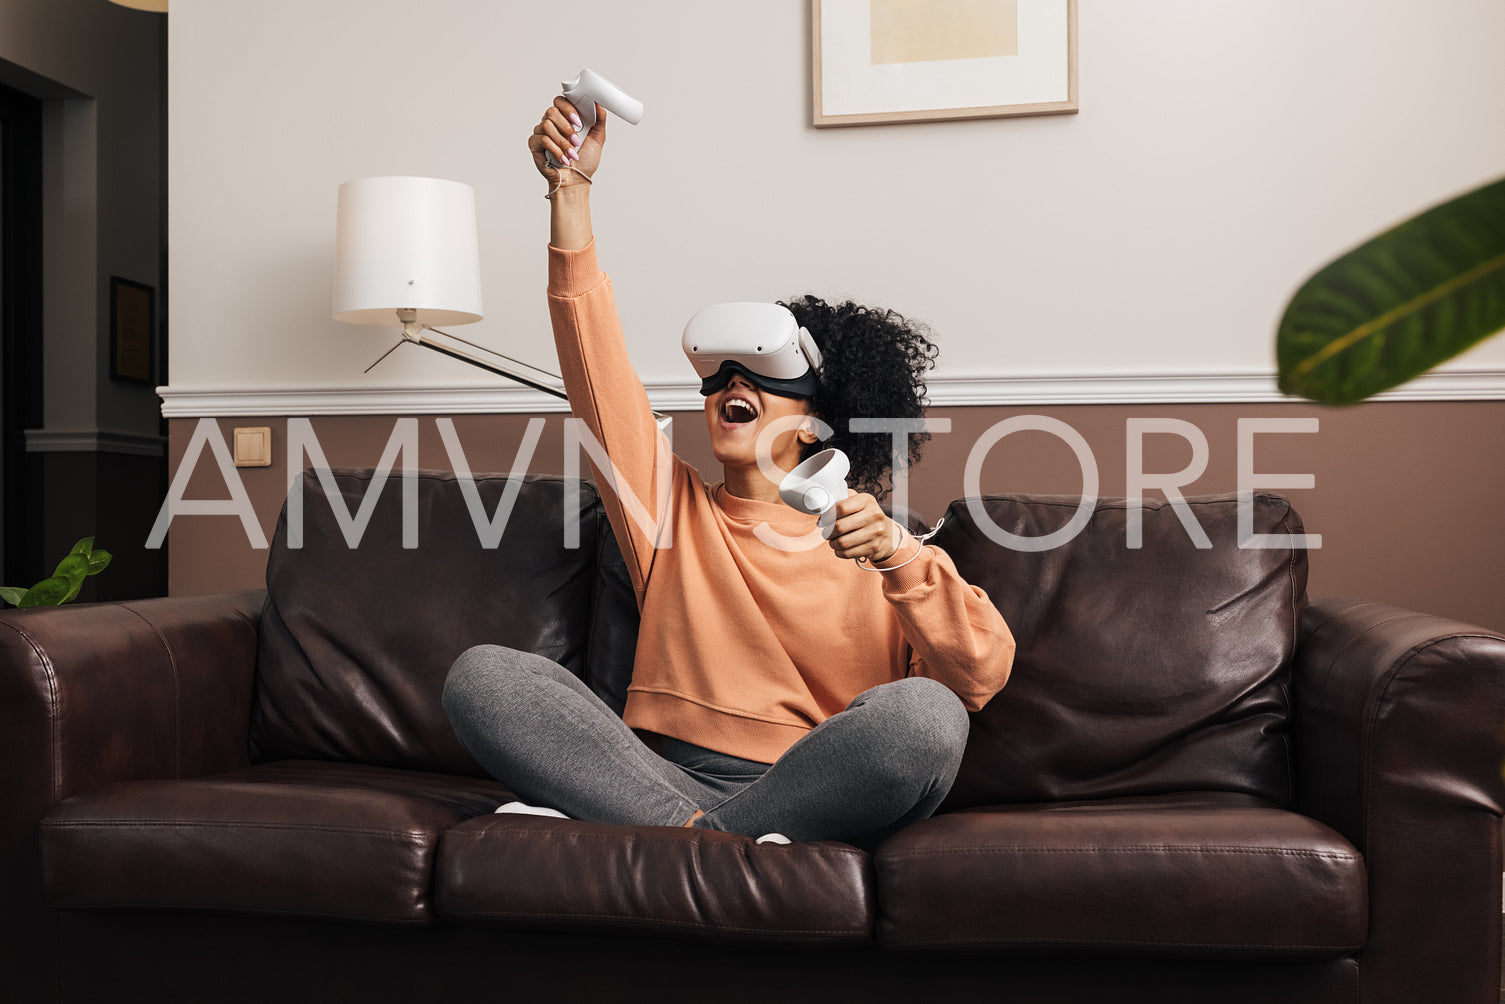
(881, 61)
(133, 319)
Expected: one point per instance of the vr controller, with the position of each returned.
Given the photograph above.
(816, 485)
(590, 89)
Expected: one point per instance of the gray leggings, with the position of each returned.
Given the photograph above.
(883, 763)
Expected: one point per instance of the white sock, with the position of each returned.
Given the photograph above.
(530, 810)
(774, 838)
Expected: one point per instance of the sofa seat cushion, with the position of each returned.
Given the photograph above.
(1219, 875)
(299, 838)
(540, 872)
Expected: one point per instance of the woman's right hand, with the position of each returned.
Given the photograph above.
(558, 133)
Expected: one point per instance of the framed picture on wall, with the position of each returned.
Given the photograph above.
(133, 318)
(880, 61)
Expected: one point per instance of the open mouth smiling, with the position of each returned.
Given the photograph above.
(738, 410)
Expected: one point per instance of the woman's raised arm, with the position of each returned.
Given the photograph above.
(603, 389)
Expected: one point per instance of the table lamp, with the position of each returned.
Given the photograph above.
(406, 252)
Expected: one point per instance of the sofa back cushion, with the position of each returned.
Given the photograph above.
(356, 642)
(1138, 670)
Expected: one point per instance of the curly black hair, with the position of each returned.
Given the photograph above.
(873, 366)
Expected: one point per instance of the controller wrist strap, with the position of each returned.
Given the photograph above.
(559, 172)
(865, 563)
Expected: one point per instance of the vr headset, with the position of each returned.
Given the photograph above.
(762, 341)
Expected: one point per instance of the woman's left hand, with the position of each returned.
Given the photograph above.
(863, 530)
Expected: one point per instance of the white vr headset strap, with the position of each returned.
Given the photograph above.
(807, 345)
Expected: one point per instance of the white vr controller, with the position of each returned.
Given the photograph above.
(590, 89)
(816, 485)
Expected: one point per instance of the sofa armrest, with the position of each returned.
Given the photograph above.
(110, 691)
(105, 692)
(1397, 724)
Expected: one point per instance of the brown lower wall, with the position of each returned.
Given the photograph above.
(1407, 497)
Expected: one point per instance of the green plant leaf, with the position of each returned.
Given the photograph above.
(47, 593)
(12, 594)
(73, 568)
(83, 547)
(1396, 306)
(99, 561)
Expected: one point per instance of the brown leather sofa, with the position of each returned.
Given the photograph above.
(1196, 787)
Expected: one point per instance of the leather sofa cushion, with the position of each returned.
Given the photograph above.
(1216, 875)
(535, 872)
(1138, 670)
(356, 642)
(341, 841)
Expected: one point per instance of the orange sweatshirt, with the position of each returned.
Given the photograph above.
(745, 645)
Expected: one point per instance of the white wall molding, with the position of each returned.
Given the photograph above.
(95, 441)
(945, 391)
(1251, 386)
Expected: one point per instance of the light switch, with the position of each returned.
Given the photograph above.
(253, 447)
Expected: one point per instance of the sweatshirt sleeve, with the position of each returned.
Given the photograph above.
(632, 459)
(957, 635)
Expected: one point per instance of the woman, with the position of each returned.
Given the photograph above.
(794, 691)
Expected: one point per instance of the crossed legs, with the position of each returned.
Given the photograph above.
(886, 761)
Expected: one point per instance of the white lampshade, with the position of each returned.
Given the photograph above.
(407, 244)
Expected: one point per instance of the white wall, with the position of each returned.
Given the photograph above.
(1224, 150)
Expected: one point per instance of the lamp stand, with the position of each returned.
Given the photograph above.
(413, 331)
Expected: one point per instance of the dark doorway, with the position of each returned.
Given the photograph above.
(20, 331)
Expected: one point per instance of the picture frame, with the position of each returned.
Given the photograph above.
(133, 322)
(877, 62)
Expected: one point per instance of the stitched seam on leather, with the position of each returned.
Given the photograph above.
(651, 921)
(62, 824)
(1115, 941)
(54, 719)
(1292, 795)
(268, 911)
(177, 692)
(1126, 849)
(838, 852)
